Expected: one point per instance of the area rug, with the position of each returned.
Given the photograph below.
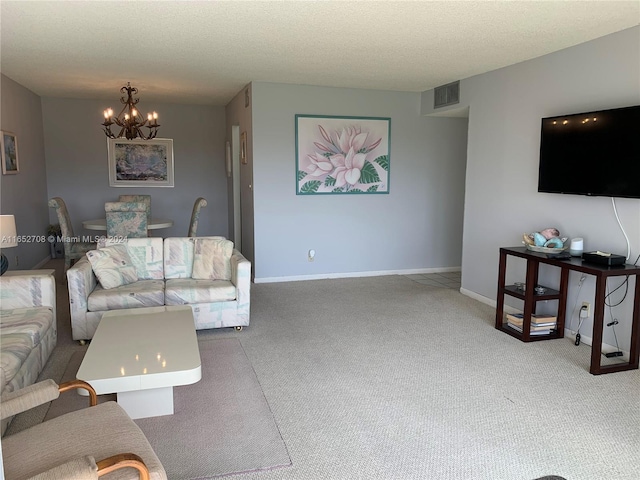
(222, 425)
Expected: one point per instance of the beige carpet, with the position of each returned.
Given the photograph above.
(222, 425)
(382, 378)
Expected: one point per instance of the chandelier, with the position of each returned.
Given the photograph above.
(129, 119)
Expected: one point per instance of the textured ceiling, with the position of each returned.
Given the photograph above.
(204, 52)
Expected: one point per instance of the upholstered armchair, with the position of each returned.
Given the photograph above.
(195, 216)
(126, 219)
(146, 199)
(87, 443)
(73, 250)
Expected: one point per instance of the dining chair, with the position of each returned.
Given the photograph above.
(73, 250)
(195, 215)
(146, 199)
(126, 219)
(83, 444)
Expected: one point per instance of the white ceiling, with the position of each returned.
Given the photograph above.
(204, 52)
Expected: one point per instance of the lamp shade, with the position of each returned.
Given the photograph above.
(8, 231)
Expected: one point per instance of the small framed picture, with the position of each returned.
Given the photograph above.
(9, 146)
(243, 148)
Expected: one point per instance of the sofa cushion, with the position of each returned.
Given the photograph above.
(178, 256)
(143, 293)
(112, 266)
(181, 291)
(146, 255)
(212, 259)
(21, 330)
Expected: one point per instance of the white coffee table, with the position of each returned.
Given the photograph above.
(141, 354)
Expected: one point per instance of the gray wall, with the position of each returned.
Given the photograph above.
(77, 168)
(25, 194)
(502, 201)
(417, 226)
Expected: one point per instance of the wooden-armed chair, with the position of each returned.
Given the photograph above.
(146, 199)
(98, 441)
(73, 250)
(195, 216)
(126, 219)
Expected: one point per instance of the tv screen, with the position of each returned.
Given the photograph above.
(592, 153)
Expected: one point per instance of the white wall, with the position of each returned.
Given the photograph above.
(24, 195)
(502, 202)
(77, 168)
(417, 226)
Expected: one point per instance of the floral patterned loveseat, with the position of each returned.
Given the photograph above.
(28, 330)
(206, 273)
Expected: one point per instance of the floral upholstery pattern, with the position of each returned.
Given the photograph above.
(113, 266)
(146, 199)
(195, 216)
(73, 249)
(126, 219)
(211, 259)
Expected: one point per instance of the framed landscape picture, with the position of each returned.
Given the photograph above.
(342, 155)
(140, 163)
(9, 146)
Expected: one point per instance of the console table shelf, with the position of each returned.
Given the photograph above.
(530, 298)
(514, 291)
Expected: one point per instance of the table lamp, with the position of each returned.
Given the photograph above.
(7, 239)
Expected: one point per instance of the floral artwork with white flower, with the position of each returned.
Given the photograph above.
(336, 155)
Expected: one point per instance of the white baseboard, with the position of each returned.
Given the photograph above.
(568, 334)
(324, 276)
(42, 263)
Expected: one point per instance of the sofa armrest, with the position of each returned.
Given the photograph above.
(39, 393)
(27, 290)
(29, 397)
(80, 468)
(241, 276)
(81, 282)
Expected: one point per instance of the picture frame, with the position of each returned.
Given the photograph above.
(243, 148)
(140, 163)
(9, 149)
(342, 154)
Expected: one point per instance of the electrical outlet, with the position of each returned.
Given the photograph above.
(312, 255)
(588, 308)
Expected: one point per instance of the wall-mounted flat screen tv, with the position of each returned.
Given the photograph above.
(592, 153)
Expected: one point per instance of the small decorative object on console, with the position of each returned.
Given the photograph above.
(544, 241)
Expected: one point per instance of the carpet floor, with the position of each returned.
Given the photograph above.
(383, 378)
(222, 425)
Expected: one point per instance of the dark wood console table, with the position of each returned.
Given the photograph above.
(530, 298)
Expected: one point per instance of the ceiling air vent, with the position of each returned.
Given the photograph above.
(448, 94)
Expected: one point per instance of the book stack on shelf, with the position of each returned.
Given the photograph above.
(540, 324)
